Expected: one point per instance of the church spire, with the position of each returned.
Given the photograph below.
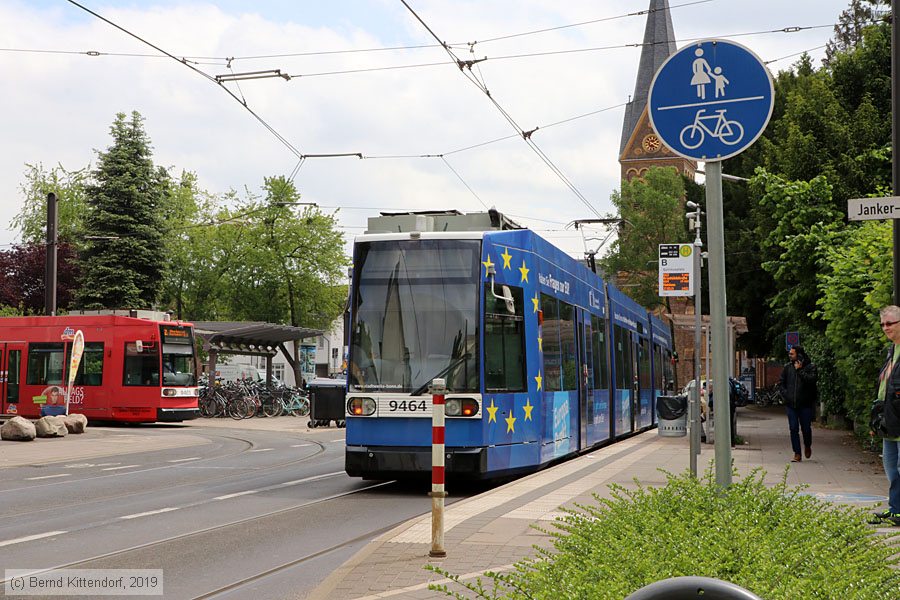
(659, 44)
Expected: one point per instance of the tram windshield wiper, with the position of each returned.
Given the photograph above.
(421, 389)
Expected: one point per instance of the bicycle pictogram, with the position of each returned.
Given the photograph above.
(728, 132)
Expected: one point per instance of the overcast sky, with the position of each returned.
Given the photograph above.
(59, 102)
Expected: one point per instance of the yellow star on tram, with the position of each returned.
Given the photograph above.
(492, 412)
(506, 258)
(540, 344)
(487, 265)
(536, 301)
(528, 408)
(539, 379)
(524, 271)
(510, 424)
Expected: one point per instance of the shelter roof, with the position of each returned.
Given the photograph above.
(238, 336)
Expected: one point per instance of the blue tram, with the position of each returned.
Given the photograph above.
(542, 358)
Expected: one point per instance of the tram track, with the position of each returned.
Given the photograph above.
(250, 445)
(221, 528)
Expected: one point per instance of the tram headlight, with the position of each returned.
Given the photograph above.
(361, 407)
(461, 407)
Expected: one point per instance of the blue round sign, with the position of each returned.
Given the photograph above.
(711, 100)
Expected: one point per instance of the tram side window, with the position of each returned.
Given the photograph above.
(669, 382)
(558, 343)
(598, 342)
(504, 341)
(659, 377)
(141, 364)
(550, 344)
(622, 356)
(90, 369)
(567, 346)
(45, 364)
(644, 363)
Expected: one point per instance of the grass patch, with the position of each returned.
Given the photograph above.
(777, 542)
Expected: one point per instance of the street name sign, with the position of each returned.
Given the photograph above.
(872, 209)
(676, 270)
(711, 100)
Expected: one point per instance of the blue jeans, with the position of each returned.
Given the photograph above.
(891, 458)
(800, 419)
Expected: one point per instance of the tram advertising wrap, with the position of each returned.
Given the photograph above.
(542, 359)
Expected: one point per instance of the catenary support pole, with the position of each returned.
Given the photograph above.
(895, 137)
(50, 260)
(715, 235)
(438, 388)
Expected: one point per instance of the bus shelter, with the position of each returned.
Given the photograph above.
(249, 338)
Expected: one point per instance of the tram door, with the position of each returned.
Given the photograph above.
(625, 377)
(10, 376)
(585, 381)
(634, 340)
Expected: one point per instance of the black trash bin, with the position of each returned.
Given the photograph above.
(326, 402)
(671, 412)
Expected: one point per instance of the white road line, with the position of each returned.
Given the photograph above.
(261, 450)
(47, 477)
(338, 440)
(150, 512)
(300, 445)
(117, 468)
(227, 496)
(178, 460)
(314, 478)
(31, 538)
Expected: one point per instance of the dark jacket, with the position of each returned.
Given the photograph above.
(798, 386)
(892, 397)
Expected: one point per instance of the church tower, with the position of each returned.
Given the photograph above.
(640, 147)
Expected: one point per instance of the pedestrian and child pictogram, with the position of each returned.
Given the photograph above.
(711, 100)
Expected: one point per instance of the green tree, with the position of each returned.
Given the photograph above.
(69, 187)
(652, 209)
(796, 222)
(123, 265)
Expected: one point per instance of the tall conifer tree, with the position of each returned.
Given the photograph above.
(122, 261)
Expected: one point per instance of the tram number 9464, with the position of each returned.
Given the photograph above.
(407, 406)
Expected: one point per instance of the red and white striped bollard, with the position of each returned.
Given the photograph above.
(438, 388)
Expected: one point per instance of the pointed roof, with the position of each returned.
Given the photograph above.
(659, 44)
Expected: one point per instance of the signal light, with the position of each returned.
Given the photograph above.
(361, 407)
(461, 407)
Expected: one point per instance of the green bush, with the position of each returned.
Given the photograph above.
(779, 543)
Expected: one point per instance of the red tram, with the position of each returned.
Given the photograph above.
(132, 369)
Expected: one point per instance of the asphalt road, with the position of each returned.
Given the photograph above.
(268, 513)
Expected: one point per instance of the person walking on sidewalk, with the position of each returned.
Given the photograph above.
(800, 392)
(889, 398)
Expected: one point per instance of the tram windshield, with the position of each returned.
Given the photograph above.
(415, 315)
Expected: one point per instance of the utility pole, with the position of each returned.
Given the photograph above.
(895, 138)
(50, 261)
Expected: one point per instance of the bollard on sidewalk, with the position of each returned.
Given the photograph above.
(438, 388)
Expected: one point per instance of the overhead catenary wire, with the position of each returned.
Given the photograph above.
(525, 135)
(240, 101)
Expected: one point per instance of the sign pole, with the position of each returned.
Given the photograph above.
(715, 234)
(698, 326)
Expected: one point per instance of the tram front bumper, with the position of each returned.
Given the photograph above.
(388, 462)
(175, 415)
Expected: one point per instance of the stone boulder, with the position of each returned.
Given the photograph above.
(48, 427)
(75, 422)
(17, 429)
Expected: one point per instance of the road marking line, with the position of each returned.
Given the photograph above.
(47, 477)
(313, 478)
(261, 450)
(178, 460)
(30, 538)
(150, 512)
(117, 468)
(300, 445)
(338, 440)
(227, 496)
